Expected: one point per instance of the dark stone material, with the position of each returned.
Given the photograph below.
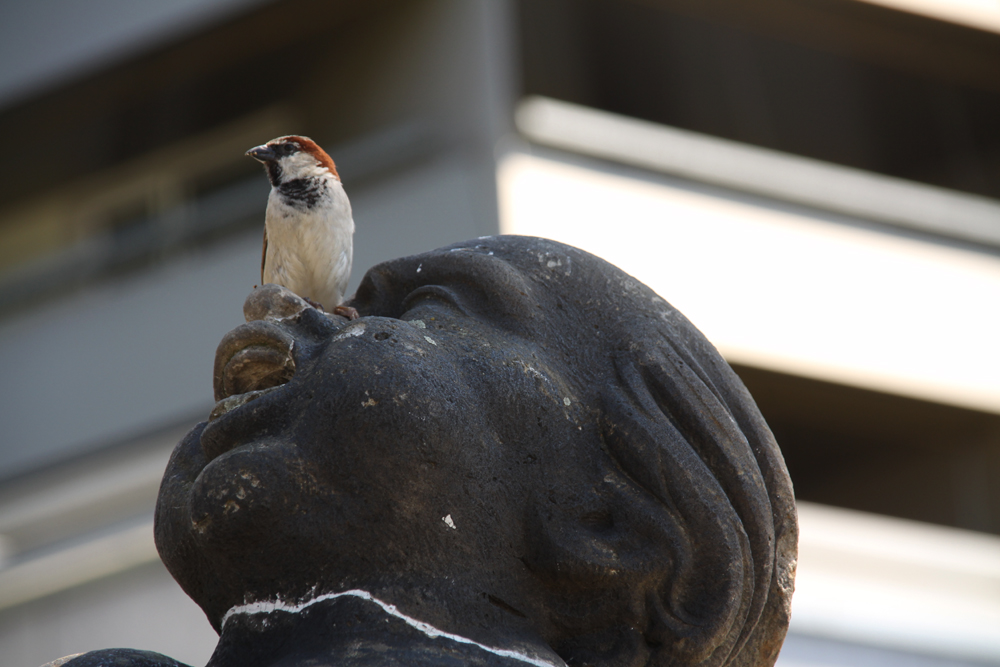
(121, 657)
(527, 453)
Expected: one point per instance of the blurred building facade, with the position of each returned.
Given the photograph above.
(814, 183)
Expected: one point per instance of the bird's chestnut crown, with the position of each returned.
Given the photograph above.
(289, 155)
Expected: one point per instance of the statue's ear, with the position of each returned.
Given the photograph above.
(678, 534)
(597, 549)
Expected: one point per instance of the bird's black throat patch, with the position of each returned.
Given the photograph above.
(273, 172)
(302, 192)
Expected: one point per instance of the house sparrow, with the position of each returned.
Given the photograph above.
(308, 227)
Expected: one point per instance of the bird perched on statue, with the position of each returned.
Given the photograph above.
(308, 227)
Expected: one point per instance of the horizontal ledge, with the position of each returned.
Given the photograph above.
(762, 171)
(93, 559)
(96, 488)
(85, 494)
(895, 583)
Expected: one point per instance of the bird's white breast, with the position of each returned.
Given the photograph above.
(310, 248)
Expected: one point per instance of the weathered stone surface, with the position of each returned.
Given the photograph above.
(118, 657)
(272, 302)
(518, 455)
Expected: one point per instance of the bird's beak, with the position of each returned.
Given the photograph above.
(262, 153)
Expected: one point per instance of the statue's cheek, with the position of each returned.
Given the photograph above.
(249, 493)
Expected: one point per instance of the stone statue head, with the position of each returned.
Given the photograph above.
(516, 443)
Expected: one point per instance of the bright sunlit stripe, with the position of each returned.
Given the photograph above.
(982, 14)
(781, 290)
(783, 176)
(895, 583)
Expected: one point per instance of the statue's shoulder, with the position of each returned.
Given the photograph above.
(116, 657)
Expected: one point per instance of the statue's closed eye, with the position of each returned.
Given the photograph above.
(429, 294)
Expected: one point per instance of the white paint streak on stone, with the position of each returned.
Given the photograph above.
(420, 324)
(284, 318)
(534, 372)
(448, 522)
(420, 267)
(566, 401)
(430, 340)
(268, 606)
(349, 331)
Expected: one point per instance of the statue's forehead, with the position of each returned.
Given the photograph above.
(502, 258)
(525, 284)
(474, 266)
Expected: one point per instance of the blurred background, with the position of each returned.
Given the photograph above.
(814, 183)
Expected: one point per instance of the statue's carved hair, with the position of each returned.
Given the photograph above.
(690, 545)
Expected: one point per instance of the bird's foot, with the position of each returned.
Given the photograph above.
(315, 304)
(346, 311)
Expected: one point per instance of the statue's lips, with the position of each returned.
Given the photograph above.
(240, 419)
(252, 361)
(252, 357)
(230, 403)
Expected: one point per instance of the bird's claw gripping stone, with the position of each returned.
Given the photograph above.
(346, 311)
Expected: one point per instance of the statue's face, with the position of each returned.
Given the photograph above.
(448, 398)
(507, 404)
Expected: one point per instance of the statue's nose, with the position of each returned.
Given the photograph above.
(281, 329)
(276, 303)
(273, 302)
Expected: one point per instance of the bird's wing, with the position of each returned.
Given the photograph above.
(263, 257)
